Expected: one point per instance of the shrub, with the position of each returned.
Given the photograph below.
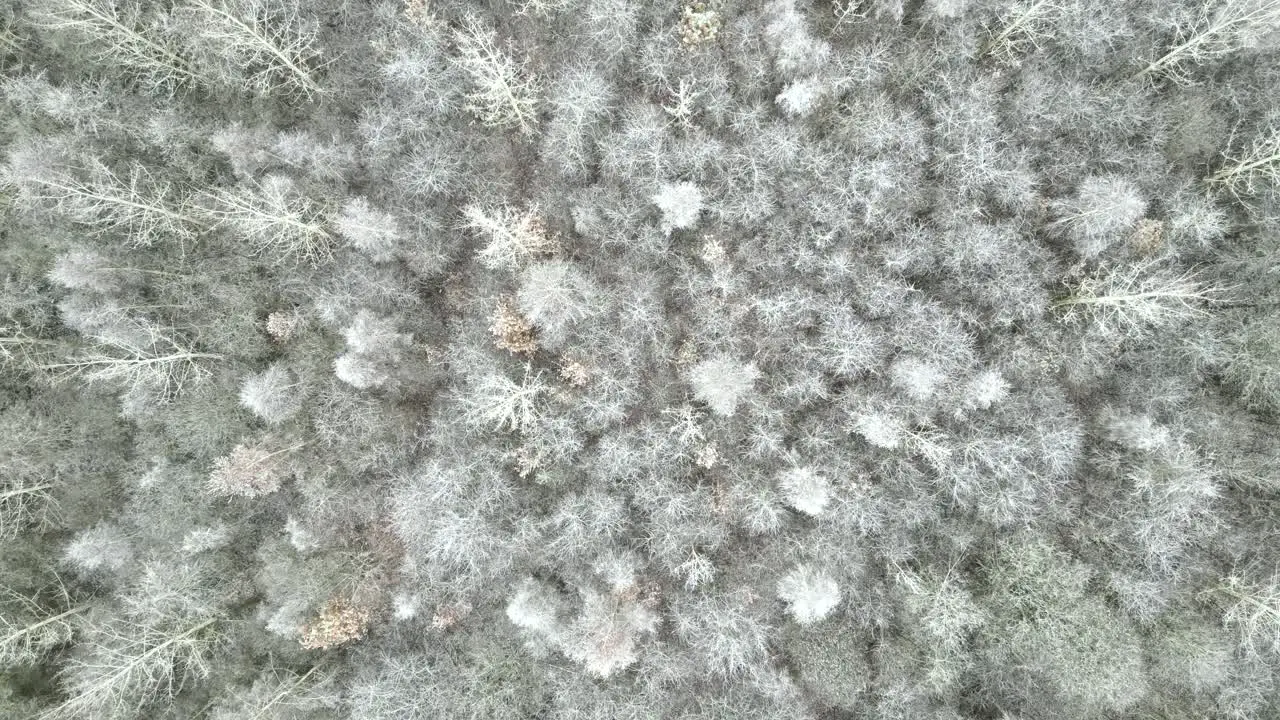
(1253, 364)
(605, 635)
(831, 661)
(251, 470)
(104, 547)
(984, 390)
(371, 231)
(375, 348)
(916, 378)
(805, 490)
(272, 394)
(1047, 635)
(724, 631)
(811, 594)
(338, 623)
(86, 269)
(722, 383)
(680, 203)
(880, 429)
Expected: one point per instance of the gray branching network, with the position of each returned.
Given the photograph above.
(622, 360)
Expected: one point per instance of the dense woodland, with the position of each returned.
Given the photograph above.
(622, 360)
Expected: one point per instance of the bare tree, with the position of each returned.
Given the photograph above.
(1103, 207)
(29, 629)
(1126, 300)
(138, 205)
(501, 402)
(279, 692)
(24, 503)
(1253, 609)
(126, 665)
(148, 646)
(275, 218)
(505, 94)
(123, 35)
(165, 362)
(264, 44)
(26, 351)
(1217, 32)
(1256, 166)
(1019, 30)
(514, 235)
